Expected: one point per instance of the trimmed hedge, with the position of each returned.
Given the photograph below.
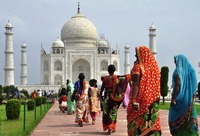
(13, 109)
(38, 101)
(44, 100)
(30, 105)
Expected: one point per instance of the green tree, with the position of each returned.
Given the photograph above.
(1, 89)
(25, 92)
(164, 82)
(9, 90)
(199, 90)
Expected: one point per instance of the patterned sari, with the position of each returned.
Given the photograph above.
(70, 104)
(114, 93)
(145, 120)
(81, 102)
(183, 115)
(94, 104)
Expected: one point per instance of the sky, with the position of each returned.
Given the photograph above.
(120, 21)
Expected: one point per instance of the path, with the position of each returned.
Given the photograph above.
(56, 123)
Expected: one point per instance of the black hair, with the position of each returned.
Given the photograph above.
(81, 76)
(63, 91)
(111, 68)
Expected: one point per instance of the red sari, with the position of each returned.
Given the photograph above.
(146, 120)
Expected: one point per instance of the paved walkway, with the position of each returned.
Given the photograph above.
(56, 123)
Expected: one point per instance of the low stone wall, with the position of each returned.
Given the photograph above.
(31, 88)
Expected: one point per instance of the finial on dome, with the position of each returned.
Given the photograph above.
(78, 8)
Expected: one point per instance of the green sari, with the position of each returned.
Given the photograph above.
(70, 105)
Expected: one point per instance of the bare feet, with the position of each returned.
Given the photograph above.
(81, 124)
(93, 122)
(109, 132)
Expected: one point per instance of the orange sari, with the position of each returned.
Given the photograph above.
(82, 103)
(146, 120)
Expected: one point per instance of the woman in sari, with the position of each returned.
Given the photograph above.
(113, 96)
(143, 109)
(70, 105)
(94, 105)
(80, 95)
(182, 113)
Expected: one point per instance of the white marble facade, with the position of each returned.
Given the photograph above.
(79, 50)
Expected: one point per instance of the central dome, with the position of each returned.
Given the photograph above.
(79, 30)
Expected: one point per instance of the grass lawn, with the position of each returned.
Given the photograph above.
(16, 127)
(167, 105)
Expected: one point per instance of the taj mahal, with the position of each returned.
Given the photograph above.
(79, 49)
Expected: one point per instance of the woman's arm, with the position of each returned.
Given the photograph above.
(136, 83)
(176, 90)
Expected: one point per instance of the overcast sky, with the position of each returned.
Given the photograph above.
(121, 22)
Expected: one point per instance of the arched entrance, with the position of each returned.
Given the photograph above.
(81, 66)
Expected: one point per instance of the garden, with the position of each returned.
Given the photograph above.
(20, 114)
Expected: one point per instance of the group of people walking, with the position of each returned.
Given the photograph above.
(65, 102)
(143, 117)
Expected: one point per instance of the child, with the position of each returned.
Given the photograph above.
(63, 100)
(94, 105)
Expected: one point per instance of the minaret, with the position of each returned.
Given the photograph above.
(126, 59)
(23, 65)
(9, 56)
(152, 40)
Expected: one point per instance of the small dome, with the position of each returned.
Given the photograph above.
(23, 45)
(102, 43)
(152, 27)
(126, 46)
(9, 24)
(58, 43)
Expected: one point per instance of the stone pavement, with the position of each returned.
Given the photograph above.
(56, 123)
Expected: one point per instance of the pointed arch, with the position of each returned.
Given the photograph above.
(81, 66)
(58, 65)
(46, 80)
(58, 80)
(45, 65)
(104, 65)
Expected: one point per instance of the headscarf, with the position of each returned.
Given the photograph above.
(188, 87)
(71, 86)
(149, 87)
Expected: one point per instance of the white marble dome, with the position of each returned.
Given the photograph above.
(23, 45)
(126, 46)
(57, 43)
(79, 30)
(102, 43)
(152, 27)
(8, 25)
